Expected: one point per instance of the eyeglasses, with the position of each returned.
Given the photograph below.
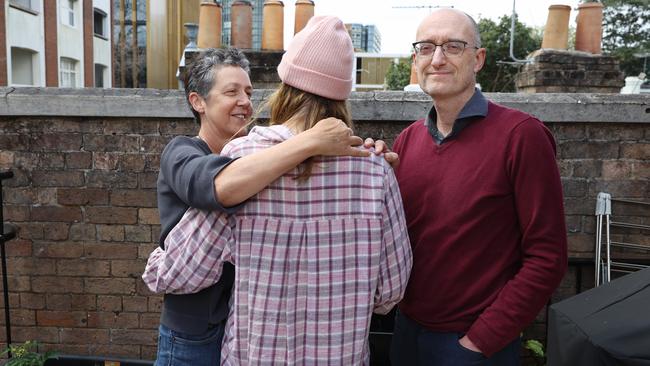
(450, 48)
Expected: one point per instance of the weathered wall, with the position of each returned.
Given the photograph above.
(84, 198)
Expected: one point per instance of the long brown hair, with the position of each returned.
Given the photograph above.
(289, 103)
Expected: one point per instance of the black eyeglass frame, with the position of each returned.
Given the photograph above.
(465, 45)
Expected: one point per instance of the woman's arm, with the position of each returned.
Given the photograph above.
(250, 174)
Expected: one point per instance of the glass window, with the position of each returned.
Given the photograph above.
(67, 12)
(99, 75)
(22, 66)
(99, 23)
(68, 71)
(25, 4)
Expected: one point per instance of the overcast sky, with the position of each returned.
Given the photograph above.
(398, 26)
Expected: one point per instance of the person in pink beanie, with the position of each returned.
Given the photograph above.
(316, 252)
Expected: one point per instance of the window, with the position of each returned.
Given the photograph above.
(68, 71)
(99, 75)
(25, 4)
(67, 12)
(22, 66)
(99, 23)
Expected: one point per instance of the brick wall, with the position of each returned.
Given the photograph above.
(84, 198)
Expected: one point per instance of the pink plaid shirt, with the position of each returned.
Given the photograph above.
(313, 260)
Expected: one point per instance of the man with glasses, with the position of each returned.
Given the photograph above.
(483, 203)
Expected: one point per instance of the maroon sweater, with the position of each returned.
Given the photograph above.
(486, 221)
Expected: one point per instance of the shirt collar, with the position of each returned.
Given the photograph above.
(476, 107)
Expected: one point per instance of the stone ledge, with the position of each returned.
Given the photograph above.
(366, 106)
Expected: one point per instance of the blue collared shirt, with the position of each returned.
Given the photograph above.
(475, 108)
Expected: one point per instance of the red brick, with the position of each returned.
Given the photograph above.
(56, 213)
(131, 162)
(135, 303)
(105, 161)
(112, 320)
(154, 144)
(16, 213)
(82, 196)
(132, 336)
(581, 243)
(109, 303)
(84, 336)
(32, 301)
(54, 178)
(20, 317)
(148, 352)
(69, 302)
(155, 303)
(82, 267)
(637, 150)
(110, 232)
(138, 234)
(18, 283)
(83, 232)
(111, 215)
(148, 216)
(57, 142)
(113, 286)
(149, 321)
(50, 160)
(112, 179)
(30, 266)
(116, 351)
(108, 143)
(70, 319)
(127, 268)
(56, 230)
(42, 334)
(78, 160)
(641, 170)
(152, 162)
(616, 169)
(46, 197)
(134, 198)
(110, 251)
(57, 284)
(145, 249)
(20, 195)
(19, 248)
(6, 159)
(58, 250)
(31, 230)
(147, 180)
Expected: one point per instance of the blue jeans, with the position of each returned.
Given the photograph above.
(413, 344)
(179, 349)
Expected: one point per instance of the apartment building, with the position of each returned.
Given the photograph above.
(57, 43)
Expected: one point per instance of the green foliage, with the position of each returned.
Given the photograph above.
(535, 347)
(398, 75)
(495, 37)
(626, 31)
(24, 355)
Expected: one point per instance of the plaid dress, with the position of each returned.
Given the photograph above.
(313, 259)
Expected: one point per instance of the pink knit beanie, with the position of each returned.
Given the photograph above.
(320, 59)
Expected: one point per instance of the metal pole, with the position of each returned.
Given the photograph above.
(5, 288)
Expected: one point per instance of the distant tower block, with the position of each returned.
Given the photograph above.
(556, 32)
(273, 23)
(241, 15)
(209, 25)
(304, 12)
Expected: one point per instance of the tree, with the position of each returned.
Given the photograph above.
(626, 31)
(498, 77)
(398, 75)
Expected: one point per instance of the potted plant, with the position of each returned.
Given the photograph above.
(25, 355)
